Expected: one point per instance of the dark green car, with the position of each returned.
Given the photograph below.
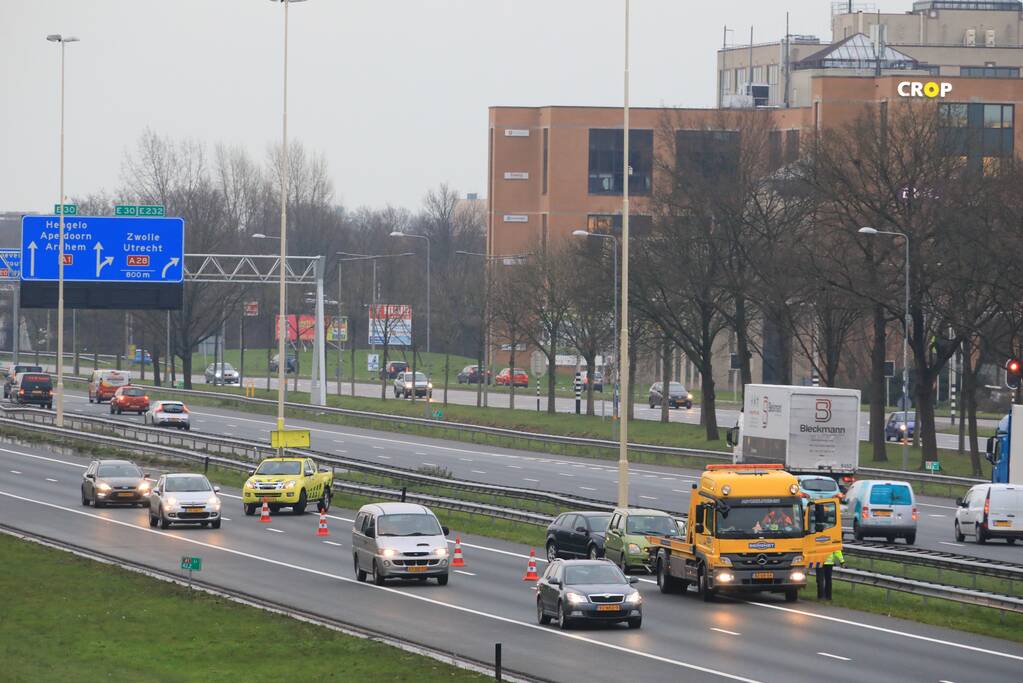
(625, 542)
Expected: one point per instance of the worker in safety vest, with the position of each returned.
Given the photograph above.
(824, 574)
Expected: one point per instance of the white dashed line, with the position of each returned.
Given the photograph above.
(954, 545)
(721, 630)
(936, 515)
(532, 480)
(420, 453)
(430, 464)
(385, 457)
(514, 467)
(15, 472)
(839, 657)
(379, 448)
(678, 491)
(276, 531)
(649, 497)
(225, 519)
(339, 440)
(332, 543)
(587, 488)
(53, 480)
(565, 474)
(478, 472)
(231, 425)
(459, 571)
(649, 476)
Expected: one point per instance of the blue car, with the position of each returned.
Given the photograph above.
(899, 425)
(816, 486)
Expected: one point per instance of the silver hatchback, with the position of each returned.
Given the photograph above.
(399, 540)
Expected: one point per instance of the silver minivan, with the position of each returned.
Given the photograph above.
(399, 540)
(885, 509)
(990, 511)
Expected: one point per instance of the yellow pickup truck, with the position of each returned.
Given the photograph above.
(287, 482)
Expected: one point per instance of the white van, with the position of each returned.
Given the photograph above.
(885, 509)
(990, 511)
(401, 541)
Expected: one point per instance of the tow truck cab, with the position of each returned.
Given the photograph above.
(749, 530)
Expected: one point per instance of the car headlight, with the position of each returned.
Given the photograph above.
(429, 385)
(103, 486)
(689, 397)
(902, 427)
(724, 577)
(144, 486)
(441, 552)
(250, 483)
(797, 576)
(633, 548)
(213, 502)
(172, 501)
(290, 484)
(575, 598)
(388, 552)
(634, 598)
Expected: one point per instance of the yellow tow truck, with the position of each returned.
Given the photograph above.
(287, 482)
(748, 530)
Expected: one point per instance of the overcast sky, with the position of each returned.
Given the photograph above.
(393, 92)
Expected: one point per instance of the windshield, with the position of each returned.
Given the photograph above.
(821, 484)
(593, 573)
(188, 483)
(420, 377)
(121, 470)
(416, 524)
(132, 392)
(172, 407)
(27, 368)
(279, 467)
(890, 494)
(655, 525)
(115, 379)
(901, 417)
(599, 522)
(760, 520)
(676, 388)
(226, 367)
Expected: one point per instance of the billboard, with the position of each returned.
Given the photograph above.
(390, 322)
(337, 329)
(300, 328)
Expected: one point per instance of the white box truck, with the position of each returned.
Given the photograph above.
(811, 430)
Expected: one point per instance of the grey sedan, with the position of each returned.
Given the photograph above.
(573, 591)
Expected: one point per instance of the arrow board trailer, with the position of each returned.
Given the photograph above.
(109, 262)
(810, 430)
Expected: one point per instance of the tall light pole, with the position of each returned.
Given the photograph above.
(623, 429)
(62, 40)
(614, 297)
(905, 341)
(282, 323)
(399, 233)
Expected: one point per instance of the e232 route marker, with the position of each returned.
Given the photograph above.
(104, 249)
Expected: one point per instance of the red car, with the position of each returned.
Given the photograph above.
(521, 379)
(131, 399)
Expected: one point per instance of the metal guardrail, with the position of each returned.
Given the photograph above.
(937, 560)
(945, 592)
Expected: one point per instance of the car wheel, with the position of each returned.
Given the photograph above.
(981, 536)
(187, 428)
(541, 617)
(791, 594)
(325, 503)
(594, 554)
(959, 533)
(635, 622)
(250, 509)
(622, 564)
(1011, 541)
(299, 507)
(442, 580)
(85, 499)
(889, 539)
(665, 581)
(164, 522)
(111, 410)
(216, 524)
(153, 521)
(120, 412)
(359, 574)
(910, 539)
(563, 620)
(857, 532)
(552, 552)
(378, 578)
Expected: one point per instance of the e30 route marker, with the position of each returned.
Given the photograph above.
(104, 249)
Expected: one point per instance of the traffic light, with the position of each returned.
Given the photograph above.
(1013, 373)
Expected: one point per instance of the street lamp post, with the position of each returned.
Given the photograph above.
(905, 340)
(614, 297)
(623, 362)
(59, 420)
(399, 233)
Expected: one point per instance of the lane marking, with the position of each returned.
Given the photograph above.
(882, 629)
(384, 457)
(393, 591)
(332, 543)
(839, 657)
(565, 474)
(417, 452)
(514, 467)
(478, 472)
(225, 519)
(648, 497)
(721, 630)
(232, 425)
(587, 488)
(459, 571)
(342, 441)
(53, 480)
(378, 447)
(955, 545)
(276, 531)
(937, 515)
(466, 459)
(532, 480)
(15, 472)
(430, 464)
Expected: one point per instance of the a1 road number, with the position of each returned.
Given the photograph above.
(69, 259)
(138, 260)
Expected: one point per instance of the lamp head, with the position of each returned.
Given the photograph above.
(580, 233)
(867, 231)
(397, 233)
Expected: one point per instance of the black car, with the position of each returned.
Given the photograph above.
(677, 395)
(898, 426)
(34, 388)
(393, 369)
(577, 534)
(572, 591)
(470, 374)
(115, 481)
(290, 364)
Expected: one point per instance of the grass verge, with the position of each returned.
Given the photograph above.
(70, 619)
(934, 575)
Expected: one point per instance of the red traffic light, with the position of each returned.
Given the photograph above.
(1012, 365)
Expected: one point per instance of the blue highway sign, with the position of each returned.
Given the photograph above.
(104, 249)
(10, 264)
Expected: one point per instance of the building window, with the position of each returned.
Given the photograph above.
(740, 79)
(725, 81)
(546, 141)
(759, 75)
(711, 154)
(782, 147)
(605, 167)
(989, 71)
(772, 74)
(976, 131)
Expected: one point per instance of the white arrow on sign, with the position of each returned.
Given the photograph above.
(32, 258)
(101, 262)
(173, 262)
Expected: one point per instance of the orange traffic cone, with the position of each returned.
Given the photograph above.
(322, 530)
(457, 561)
(531, 574)
(264, 515)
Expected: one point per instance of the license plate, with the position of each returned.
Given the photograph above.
(194, 509)
(882, 513)
(763, 575)
(126, 494)
(1003, 522)
(417, 568)
(607, 608)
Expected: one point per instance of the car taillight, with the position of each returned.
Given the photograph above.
(916, 515)
(987, 506)
(847, 479)
(145, 398)
(866, 512)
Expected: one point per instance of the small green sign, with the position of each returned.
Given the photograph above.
(126, 210)
(933, 465)
(69, 209)
(150, 210)
(193, 564)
